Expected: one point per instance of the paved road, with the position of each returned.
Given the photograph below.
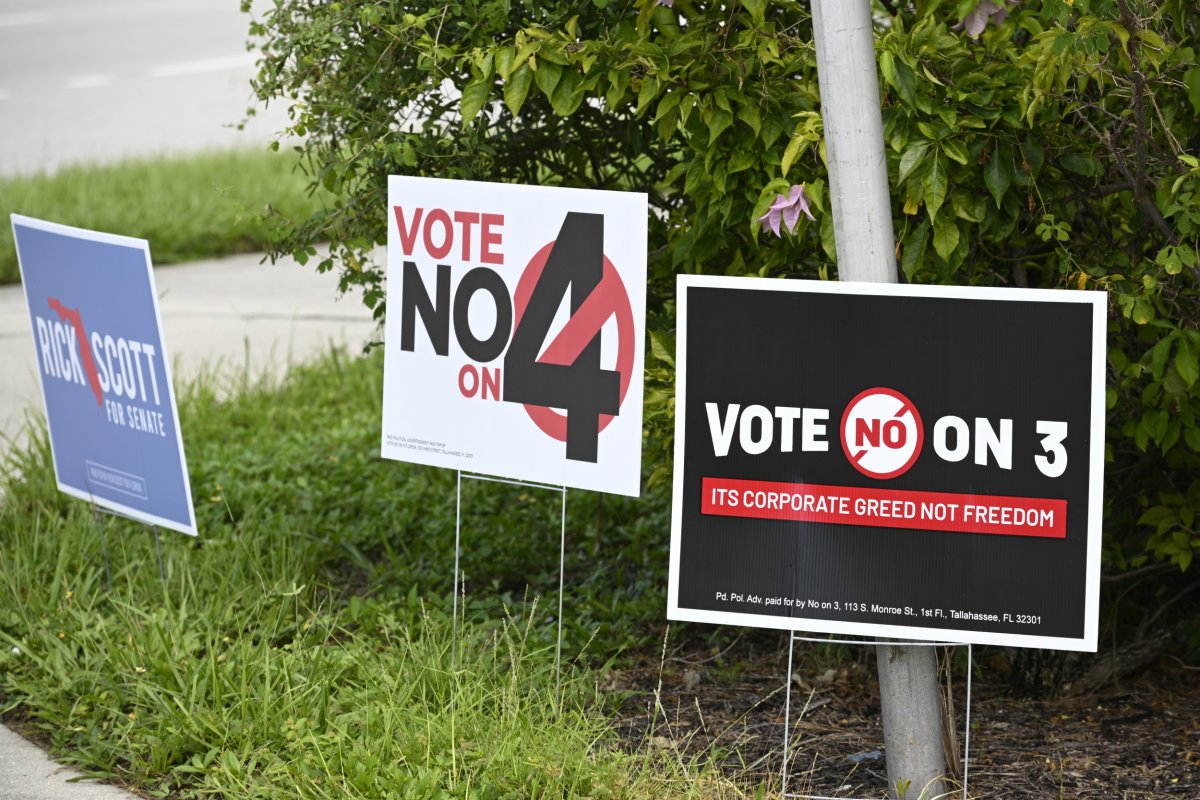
(82, 80)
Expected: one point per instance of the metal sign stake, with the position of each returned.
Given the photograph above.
(562, 561)
(921, 792)
(457, 553)
(104, 545)
(460, 584)
(162, 574)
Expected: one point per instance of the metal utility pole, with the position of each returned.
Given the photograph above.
(866, 251)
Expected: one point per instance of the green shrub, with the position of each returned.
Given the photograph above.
(1056, 149)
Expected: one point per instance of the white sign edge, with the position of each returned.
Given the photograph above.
(1088, 642)
(631, 486)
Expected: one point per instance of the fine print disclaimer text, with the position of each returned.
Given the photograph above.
(425, 446)
(919, 616)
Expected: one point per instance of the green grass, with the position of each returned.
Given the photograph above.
(187, 207)
(301, 646)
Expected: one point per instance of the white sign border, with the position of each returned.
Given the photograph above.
(137, 244)
(1099, 304)
(627, 485)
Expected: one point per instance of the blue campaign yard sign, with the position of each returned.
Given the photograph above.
(105, 373)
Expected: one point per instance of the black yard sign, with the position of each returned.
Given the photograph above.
(904, 461)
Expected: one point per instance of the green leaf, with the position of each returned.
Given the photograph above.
(945, 236)
(997, 173)
(661, 475)
(956, 150)
(686, 104)
(1192, 437)
(912, 255)
(695, 176)
(1192, 81)
(1156, 516)
(546, 76)
(682, 44)
(790, 153)
(516, 88)
(1142, 311)
(1086, 166)
(749, 115)
(971, 207)
(1149, 37)
(742, 160)
(647, 93)
(718, 122)
(887, 66)
(567, 95)
(757, 9)
(828, 239)
(815, 189)
(505, 58)
(898, 75)
(1182, 539)
(669, 101)
(1168, 258)
(1158, 357)
(662, 349)
(1141, 436)
(1171, 437)
(935, 187)
(1186, 363)
(772, 129)
(1033, 154)
(474, 96)
(667, 22)
(618, 80)
(931, 131)
(912, 158)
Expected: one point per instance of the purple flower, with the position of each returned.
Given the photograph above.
(985, 12)
(667, 3)
(788, 207)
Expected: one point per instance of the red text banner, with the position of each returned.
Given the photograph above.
(885, 508)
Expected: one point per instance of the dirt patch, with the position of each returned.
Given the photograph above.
(1138, 739)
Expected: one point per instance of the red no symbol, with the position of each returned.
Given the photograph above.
(609, 298)
(882, 433)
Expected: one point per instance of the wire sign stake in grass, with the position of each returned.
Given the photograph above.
(459, 584)
(914, 791)
(99, 512)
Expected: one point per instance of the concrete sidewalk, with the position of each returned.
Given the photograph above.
(229, 314)
(27, 774)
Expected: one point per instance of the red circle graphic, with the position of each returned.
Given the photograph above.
(614, 300)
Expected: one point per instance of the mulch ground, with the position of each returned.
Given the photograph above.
(1136, 739)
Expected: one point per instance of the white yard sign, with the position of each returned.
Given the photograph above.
(515, 328)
